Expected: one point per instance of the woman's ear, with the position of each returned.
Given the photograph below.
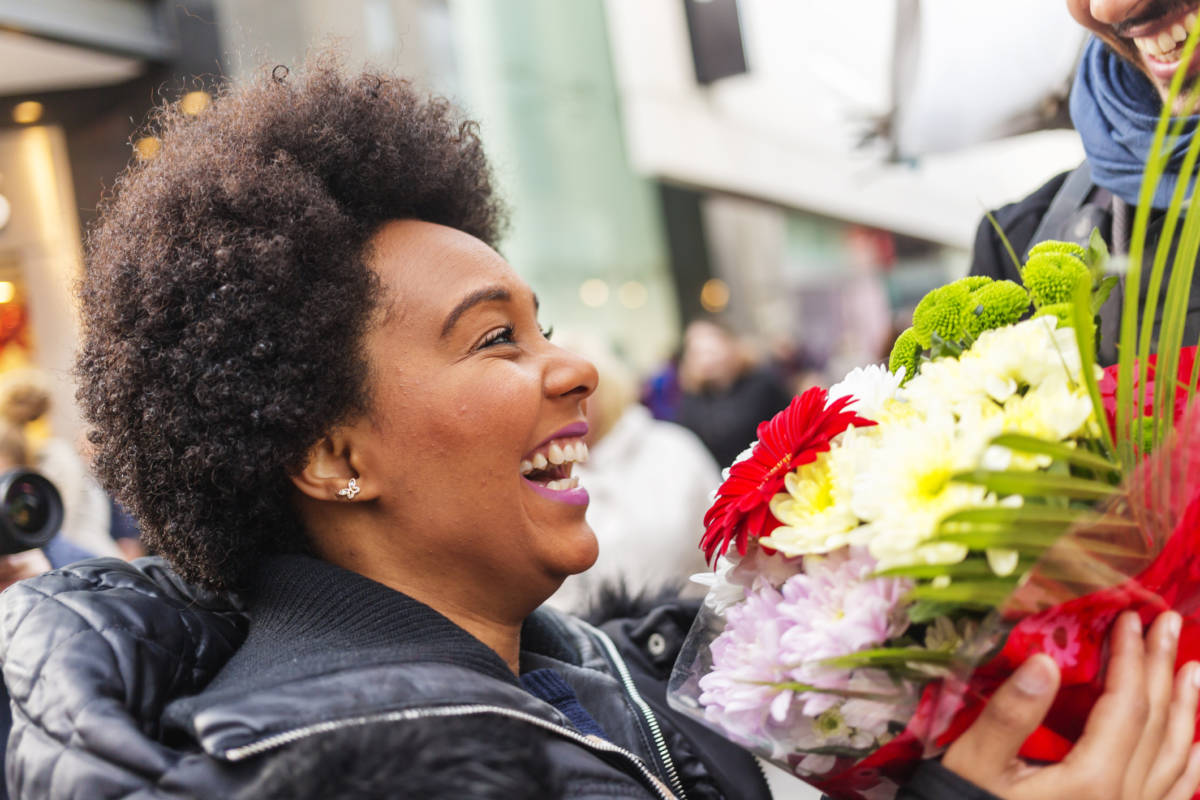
(332, 471)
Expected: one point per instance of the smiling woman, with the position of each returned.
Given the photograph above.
(331, 405)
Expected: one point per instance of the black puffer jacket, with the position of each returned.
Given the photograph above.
(128, 684)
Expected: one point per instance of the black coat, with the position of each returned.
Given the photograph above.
(127, 683)
(1068, 208)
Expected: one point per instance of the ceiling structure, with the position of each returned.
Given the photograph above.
(30, 64)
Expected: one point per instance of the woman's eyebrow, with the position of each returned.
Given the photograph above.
(484, 295)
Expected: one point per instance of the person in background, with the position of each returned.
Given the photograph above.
(1118, 94)
(650, 483)
(725, 395)
(87, 509)
(57, 553)
(660, 391)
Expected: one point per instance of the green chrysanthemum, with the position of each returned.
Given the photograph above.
(1061, 248)
(944, 311)
(1063, 311)
(973, 282)
(1052, 277)
(996, 304)
(905, 353)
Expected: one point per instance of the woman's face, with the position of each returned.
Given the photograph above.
(467, 397)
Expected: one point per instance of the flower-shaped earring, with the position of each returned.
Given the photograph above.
(351, 491)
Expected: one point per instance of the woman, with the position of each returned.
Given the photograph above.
(314, 383)
(329, 402)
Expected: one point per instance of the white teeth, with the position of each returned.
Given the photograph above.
(1165, 43)
(1178, 32)
(1148, 46)
(563, 485)
(1189, 21)
(557, 454)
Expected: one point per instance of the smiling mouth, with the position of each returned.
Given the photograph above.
(1164, 41)
(551, 465)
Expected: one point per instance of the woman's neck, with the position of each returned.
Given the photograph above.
(487, 612)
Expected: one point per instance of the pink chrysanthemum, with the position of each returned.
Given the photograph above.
(777, 640)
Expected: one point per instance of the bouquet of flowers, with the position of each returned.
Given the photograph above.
(890, 550)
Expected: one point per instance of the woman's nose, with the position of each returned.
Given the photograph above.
(1112, 12)
(570, 374)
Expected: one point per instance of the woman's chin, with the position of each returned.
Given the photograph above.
(577, 551)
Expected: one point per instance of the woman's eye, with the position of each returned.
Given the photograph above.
(499, 336)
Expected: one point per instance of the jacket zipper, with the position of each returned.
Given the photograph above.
(278, 740)
(660, 742)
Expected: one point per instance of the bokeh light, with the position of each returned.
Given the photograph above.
(593, 293)
(27, 112)
(714, 295)
(195, 103)
(147, 147)
(632, 294)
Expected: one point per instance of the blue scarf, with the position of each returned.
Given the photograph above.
(1115, 108)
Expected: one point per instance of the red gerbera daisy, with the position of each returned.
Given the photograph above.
(793, 437)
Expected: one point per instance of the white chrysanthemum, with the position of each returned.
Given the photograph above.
(733, 575)
(722, 592)
(944, 386)
(1025, 354)
(1054, 409)
(872, 387)
(905, 490)
(815, 510)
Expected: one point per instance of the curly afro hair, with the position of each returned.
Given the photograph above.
(227, 294)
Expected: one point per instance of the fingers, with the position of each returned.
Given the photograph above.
(1119, 716)
(1176, 759)
(19, 566)
(1161, 645)
(988, 749)
(1185, 787)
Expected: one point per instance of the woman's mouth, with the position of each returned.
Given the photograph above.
(1162, 43)
(548, 469)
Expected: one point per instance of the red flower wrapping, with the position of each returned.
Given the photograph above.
(1108, 386)
(793, 437)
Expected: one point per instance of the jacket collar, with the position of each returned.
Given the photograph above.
(312, 621)
(308, 617)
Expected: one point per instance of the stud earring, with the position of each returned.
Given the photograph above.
(351, 491)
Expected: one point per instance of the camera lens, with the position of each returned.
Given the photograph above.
(26, 506)
(30, 511)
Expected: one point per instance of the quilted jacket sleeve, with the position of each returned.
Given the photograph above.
(91, 654)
